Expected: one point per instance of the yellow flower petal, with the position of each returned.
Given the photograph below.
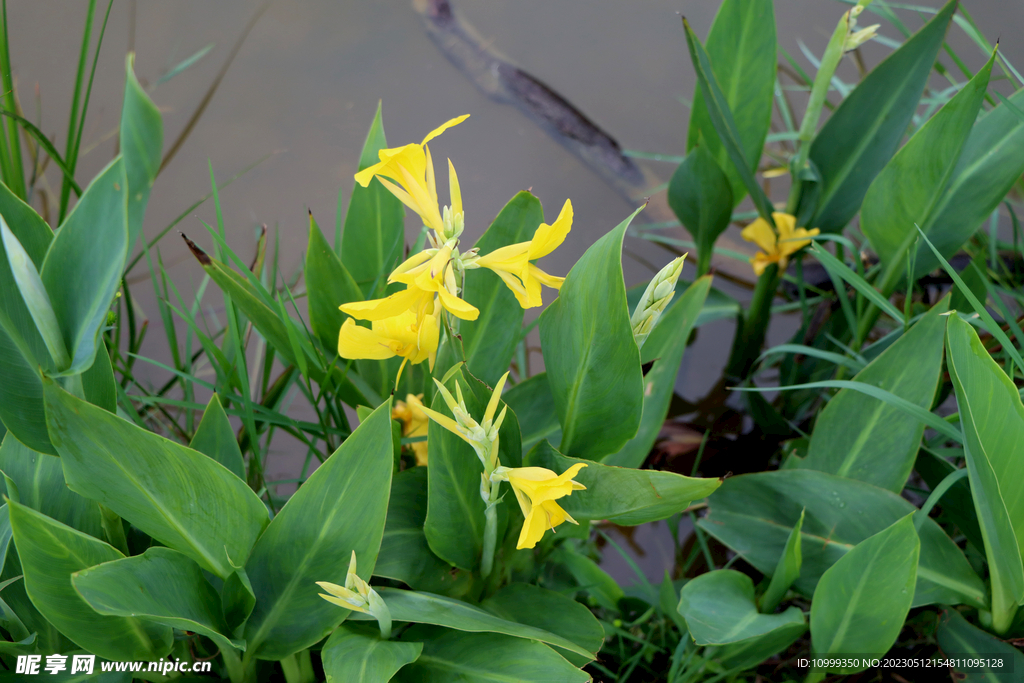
(548, 237)
(761, 234)
(358, 342)
(454, 189)
(443, 127)
(388, 307)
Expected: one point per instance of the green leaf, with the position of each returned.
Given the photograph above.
(356, 655)
(371, 244)
(328, 286)
(862, 600)
(535, 606)
(720, 113)
(909, 189)
(215, 437)
(592, 362)
(860, 437)
(488, 658)
(590, 577)
(665, 347)
(340, 509)
(21, 347)
(700, 196)
(786, 571)
(741, 48)
(40, 482)
(142, 141)
(991, 162)
(160, 586)
(98, 383)
(959, 639)
(754, 514)
(862, 133)
(50, 553)
(21, 615)
(180, 497)
(491, 339)
(992, 419)
(620, 494)
(454, 525)
(404, 553)
(83, 266)
(532, 402)
(427, 608)
(719, 608)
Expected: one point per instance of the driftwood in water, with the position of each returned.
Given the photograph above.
(503, 81)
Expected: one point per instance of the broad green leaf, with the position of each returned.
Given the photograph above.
(957, 504)
(860, 437)
(371, 244)
(488, 658)
(21, 393)
(991, 162)
(862, 600)
(35, 236)
(719, 608)
(959, 639)
(723, 120)
(357, 655)
(592, 362)
(178, 496)
(490, 340)
(50, 553)
(142, 141)
(864, 131)
(700, 196)
(427, 608)
(29, 285)
(83, 266)
(339, 510)
(20, 612)
(664, 347)
(237, 601)
(741, 47)
(535, 606)
(160, 586)
(533, 403)
(454, 524)
(404, 553)
(753, 651)
(40, 482)
(909, 189)
(992, 419)
(786, 571)
(215, 437)
(754, 514)
(6, 534)
(620, 494)
(328, 286)
(98, 383)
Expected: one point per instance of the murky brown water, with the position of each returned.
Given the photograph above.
(307, 81)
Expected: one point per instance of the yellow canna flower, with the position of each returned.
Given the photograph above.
(776, 248)
(357, 595)
(433, 270)
(513, 263)
(536, 489)
(411, 167)
(414, 423)
(409, 335)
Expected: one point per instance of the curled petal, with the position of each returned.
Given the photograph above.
(549, 237)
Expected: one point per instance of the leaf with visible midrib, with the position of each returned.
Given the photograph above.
(341, 508)
(992, 419)
(862, 133)
(909, 190)
(873, 584)
(592, 362)
(741, 46)
(860, 437)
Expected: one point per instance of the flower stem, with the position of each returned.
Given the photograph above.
(490, 531)
(750, 330)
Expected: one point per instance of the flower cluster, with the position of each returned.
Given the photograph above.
(407, 323)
